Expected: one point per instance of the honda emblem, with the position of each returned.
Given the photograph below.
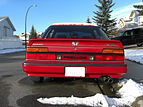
(75, 43)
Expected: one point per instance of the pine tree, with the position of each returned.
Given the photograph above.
(33, 34)
(139, 8)
(103, 16)
(88, 20)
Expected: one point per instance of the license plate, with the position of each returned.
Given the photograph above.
(75, 71)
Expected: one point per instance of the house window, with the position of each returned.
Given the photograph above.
(5, 31)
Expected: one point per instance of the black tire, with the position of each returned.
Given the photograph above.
(37, 79)
(139, 44)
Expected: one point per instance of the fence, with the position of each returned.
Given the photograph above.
(8, 43)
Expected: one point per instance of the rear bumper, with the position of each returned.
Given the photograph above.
(57, 68)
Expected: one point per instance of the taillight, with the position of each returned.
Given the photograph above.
(41, 56)
(109, 58)
(37, 49)
(113, 51)
(111, 55)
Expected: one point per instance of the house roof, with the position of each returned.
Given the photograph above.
(2, 18)
(8, 20)
(134, 12)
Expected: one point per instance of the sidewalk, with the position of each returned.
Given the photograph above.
(4, 51)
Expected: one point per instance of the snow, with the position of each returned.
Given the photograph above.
(134, 55)
(86, 24)
(10, 50)
(97, 100)
(129, 91)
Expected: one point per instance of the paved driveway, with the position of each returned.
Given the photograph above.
(17, 90)
(135, 71)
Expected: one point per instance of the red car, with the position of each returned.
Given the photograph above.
(74, 50)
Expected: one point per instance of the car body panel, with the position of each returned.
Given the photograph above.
(50, 57)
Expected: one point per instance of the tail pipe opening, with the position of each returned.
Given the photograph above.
(106, 79)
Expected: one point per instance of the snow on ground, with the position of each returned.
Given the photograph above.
(3, 51)
(129, 92)
(134, 55)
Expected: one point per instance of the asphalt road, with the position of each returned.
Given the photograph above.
(17, 90)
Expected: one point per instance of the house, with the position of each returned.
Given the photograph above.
(22, 36)
(6, 28)
(134, 20)
(7, 40)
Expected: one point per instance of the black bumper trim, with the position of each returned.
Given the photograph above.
(73, 53)
(92, 65)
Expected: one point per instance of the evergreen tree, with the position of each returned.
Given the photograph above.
(103, 16)
(88, 20)
(33, 34)
(139, 8)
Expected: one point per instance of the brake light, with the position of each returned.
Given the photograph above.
(109, 58)
(37, 49)
(41, 56)
(114, 51)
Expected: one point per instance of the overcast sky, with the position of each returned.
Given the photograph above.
(57, 11)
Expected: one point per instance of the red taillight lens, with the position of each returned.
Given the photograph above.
(99, 58)
(109, 58)
(41, 56)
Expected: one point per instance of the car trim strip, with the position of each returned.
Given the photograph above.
(93, 65)
(72, 53)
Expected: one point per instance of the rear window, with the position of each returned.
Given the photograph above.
(74, 32)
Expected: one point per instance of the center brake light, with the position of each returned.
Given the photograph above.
(37, 49)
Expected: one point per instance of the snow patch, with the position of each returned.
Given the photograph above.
(129, 92)
(78, 24)
(97, 100)
(134, 55)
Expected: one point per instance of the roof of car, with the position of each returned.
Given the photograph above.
(73, 24)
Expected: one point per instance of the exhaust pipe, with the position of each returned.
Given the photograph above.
(107, 79)
(110, 80)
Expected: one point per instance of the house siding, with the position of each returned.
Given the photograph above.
(5, 29)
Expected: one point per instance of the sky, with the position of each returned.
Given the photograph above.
(48, 12)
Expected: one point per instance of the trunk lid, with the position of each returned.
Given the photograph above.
(75, 45)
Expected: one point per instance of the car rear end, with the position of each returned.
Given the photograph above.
(75, 54)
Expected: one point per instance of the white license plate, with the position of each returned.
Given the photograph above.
(75, 71)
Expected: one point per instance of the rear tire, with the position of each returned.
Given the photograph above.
(37, 79)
